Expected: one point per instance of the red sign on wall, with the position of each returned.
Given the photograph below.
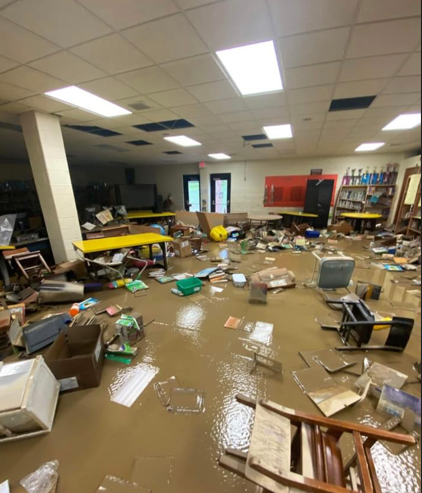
(290, 191)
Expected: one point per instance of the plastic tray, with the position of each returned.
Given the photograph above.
(189, 286)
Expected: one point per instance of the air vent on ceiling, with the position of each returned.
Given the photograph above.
(139, 143)
(140, 106)
(112, 148)
(90, 129)
(11, 126)
(350, 104)
(250, 138)
(173, 153)
(262, 146)
(167, 125)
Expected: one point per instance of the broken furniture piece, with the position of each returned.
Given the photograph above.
(268, 363)
(359, 323)
(30, 264)
(311, 460)
(332, 272)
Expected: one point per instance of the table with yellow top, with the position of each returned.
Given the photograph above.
(89, 247)
(362, 220)
(151, 216)
(3, 265)
(292, 217)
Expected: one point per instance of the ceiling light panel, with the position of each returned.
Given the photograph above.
(84, 100)
(219, 156)
(183, 141)
(279, 132)
(254, 69)
(404, 122)
(370, 147)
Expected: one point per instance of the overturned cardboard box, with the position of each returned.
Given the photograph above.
(341, 227)
(76, 358)
(182, 247)
(275, 278)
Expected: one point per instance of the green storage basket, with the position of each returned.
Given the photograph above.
(189, 286)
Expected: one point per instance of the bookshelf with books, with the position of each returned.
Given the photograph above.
(409, 216)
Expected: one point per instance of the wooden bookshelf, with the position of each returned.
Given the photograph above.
(409, 216)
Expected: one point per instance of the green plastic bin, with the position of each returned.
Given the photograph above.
(189, 286)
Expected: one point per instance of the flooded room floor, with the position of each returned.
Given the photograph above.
(94, 437)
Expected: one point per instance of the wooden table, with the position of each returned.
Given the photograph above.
(297, 217)
(359, 218)
(3, 265)
(116, 243)
(145, 215)
(264, 218)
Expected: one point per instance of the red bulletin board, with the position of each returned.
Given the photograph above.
(290, 191)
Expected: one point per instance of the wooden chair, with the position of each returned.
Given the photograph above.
(310, 460)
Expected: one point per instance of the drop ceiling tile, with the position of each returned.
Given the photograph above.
(113, 54)
(167, 40)
(403, 85)
(31, 79)
(237, 116)
(245, 126)
(127, 13)
(341, 124)
(20, 45)
(149, 80)
(412, 66)
(196, 70)
(162, 115)
(371, 67)
(385, 38)
(309, 108)
(384, 111)
(267, 122)
(377, 10)
(266, 101)
(175, 97)
(14, 108)
(45, 104)
(68, 67)
(129, 121)
(7, 64)
(301, 16)
(226, 25)
(312, 48)
(111, 123)
(306, 125)
(358, 89)
(109, 88)
(201, 121)
(192, 111)
(375, 122)
(213, 91)
(79, 116)
(64, 22)
(315, 75)
(345, 115)
(226, 106)
(313, 95)
(277, 112)
(396, 100)
(191, 4)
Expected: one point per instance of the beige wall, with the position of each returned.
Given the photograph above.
(248, 179)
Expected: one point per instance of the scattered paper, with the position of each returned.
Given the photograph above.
(104, 217)
(133, 388)
(263, 333)
(89, 227)
(4, 487)
(233, 323)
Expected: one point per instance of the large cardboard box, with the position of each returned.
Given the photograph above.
(182, 247)
(76, 358)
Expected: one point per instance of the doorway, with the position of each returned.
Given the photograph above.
(319, 196)
(221, 185)
(192, 192)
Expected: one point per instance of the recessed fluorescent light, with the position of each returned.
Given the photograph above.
(84, 100)
(183, 141)
(254, 68)
(279, 132)
(370, 147)
(404, 122)
(219, 157)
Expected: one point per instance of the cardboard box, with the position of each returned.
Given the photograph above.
(182, 247)
(78, 267)
(342, 227)
(76, 358)
(208, 221)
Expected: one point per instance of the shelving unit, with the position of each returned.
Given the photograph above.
(409, 218)
(358, 198)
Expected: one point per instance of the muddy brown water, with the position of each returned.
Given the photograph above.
(94, 437)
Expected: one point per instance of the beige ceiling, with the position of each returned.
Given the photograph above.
(162, 53)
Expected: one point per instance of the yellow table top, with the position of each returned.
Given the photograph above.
(149, 215)
(361, 215)
(104, 244)
(5, 247)
(298, 214)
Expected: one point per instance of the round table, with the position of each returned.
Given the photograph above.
(359, 219)
(297, 217)
(264, 218)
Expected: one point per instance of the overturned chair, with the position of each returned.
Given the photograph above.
(310, 459)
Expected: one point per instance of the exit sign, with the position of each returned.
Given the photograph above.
(202, 165)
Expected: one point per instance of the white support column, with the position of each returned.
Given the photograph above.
(44, 142)
(205, 189)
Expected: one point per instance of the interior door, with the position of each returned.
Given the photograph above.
(221, 193)
(319, 196)
(192, 192)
